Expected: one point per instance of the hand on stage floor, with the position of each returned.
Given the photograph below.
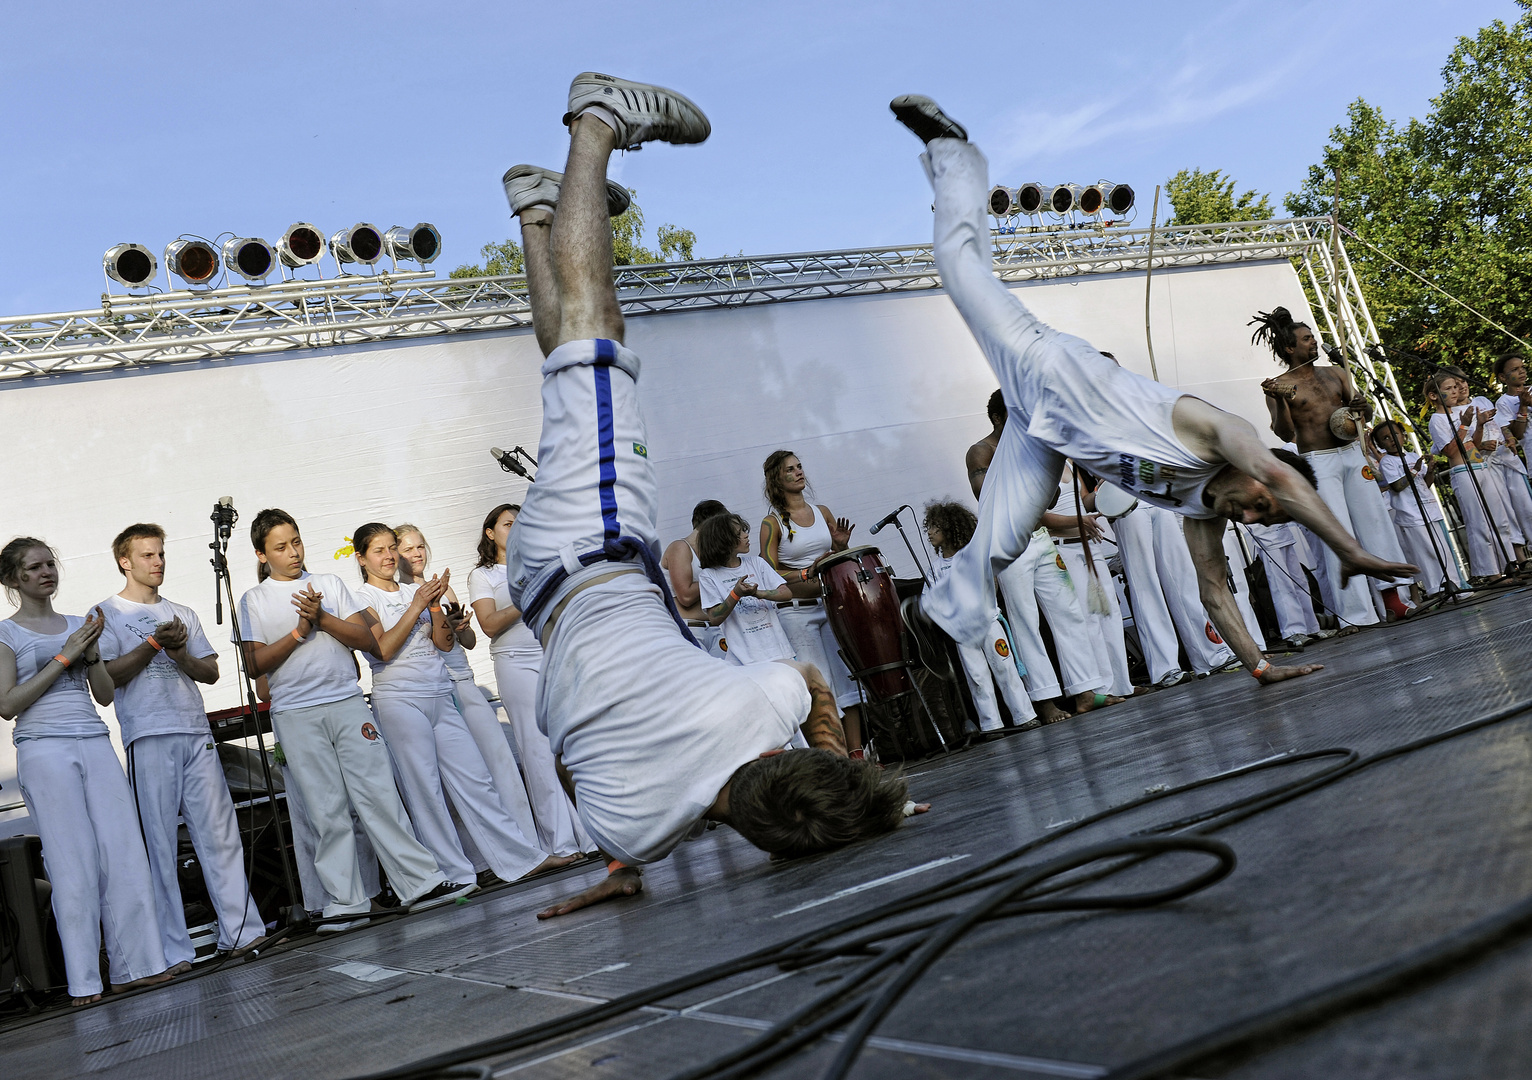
(624, 882)
(1282, 674)
(1361, 563)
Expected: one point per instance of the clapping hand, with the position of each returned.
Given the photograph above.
(82, 640)
(171, 635)
(308, 602)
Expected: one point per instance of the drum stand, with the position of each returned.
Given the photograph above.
(882, 703)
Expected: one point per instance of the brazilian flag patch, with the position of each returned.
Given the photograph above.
(640, 449)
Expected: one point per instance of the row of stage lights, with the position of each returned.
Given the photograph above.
(1092, 200)
(197, 261)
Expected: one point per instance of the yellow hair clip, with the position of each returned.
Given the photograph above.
(347, 551)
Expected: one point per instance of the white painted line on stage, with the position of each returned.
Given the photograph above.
(367, 972)
(598, 971)
(873, 884)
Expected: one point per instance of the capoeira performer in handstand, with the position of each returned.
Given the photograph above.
(653, 736)
(1066, 400)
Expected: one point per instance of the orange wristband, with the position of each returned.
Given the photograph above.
(435, 609)
(61, 658)
(297, 636)
(615, 865)
(1261, 669)
(734, 596)
(157, 646)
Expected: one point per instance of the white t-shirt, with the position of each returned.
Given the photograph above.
(488, 583)
(321, 669)
(1506, 409)
(1405, 510)
(752, 631)
(419, 668)
(1444, 424)
(161, 699)
(65, 710)
(1492, 432)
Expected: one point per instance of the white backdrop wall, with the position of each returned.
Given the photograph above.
(879, 395)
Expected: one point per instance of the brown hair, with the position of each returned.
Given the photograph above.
(955, 520)
(718, 538)
(776, 494)
(363, 537)
(260, 528)
(10, 562)
(807, 801)
(487, 552)
(122, 547)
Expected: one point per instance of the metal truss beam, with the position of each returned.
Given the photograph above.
(167, 328)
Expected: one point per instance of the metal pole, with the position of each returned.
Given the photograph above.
(1154, 371)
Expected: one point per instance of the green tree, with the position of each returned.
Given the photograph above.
(675, 245)
(1201, 198)
(1448, 196)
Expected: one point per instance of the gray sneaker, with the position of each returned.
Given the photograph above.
(1174, 678)
(925, 118)
(528, 185)
(644, 113)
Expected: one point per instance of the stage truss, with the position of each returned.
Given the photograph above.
(168, 328)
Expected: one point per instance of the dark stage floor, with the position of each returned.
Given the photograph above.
(1339, 880)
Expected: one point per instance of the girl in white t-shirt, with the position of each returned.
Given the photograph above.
(518, 658)
(73, 784)
(741, 591)
(491, 736)
(434, 754)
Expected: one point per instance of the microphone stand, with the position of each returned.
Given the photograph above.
(1505, 557)
(223, 518)
(1450, 592)
(926, 577)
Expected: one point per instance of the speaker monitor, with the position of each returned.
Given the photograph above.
(419, 243)
(131, 264)
(193, 261)
(250, 257)
(301, 245)
(31, 957)
(362, 243)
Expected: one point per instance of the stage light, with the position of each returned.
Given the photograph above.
(193, 261)
(301, 245)
(1092, 199)
(1029, 198)
(420, 243)
(131, 264)
(1119, 197)
(250, 257)
(1064, 198)
(1000, 201)
(362, 243)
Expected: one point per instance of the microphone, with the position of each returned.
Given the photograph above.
(1334, 353)
(889, 520)
(508, 461)
(224, 516)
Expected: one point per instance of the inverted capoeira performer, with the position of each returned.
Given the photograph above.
(653, 736)
(1066, 400)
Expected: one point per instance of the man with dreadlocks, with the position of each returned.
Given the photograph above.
(1317, 407)
(1066, 400)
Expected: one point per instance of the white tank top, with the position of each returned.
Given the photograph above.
(1118, 425)
(799, 545)
(696, 562)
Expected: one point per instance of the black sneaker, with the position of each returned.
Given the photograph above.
(930, 639)
(925, 118)
(444, 893)
(488, 879)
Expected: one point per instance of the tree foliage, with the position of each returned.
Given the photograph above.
(675, 245)
(1448, 196)
(1200, 198)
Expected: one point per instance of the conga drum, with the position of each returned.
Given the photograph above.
(863, 610)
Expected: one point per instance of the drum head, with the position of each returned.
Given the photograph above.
(850, 554)
(1112, 502)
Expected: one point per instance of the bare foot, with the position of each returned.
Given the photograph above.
(245, 950)
(1049, 713)
(625, 882)
(1086, 702)
(1347, 631)
(84, 1000)
(553, 862)
(178, 969)
(147, 980)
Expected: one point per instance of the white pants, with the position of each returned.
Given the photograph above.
(1279, 547)
(994, 666)
(1234, 551)
(306, 843)
(335, 755)
(1038, 579)
(808, 632)
(1486, 558)
(1165, 596)
(1495, 477)
(709, 637)
(180, 775)
(1518, 495)
(435, 757)
(1103, 631)
(558, 829)
(80, 802)
(1416, 541)
(1358, 505)
(494, 742)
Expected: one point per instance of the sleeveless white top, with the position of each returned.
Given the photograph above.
(806, 542)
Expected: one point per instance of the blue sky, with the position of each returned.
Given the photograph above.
(142, 121)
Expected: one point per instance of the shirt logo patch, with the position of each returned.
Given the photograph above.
(369, 732)
(1212, 634)
(723, 646)
(1368, 474)
(1002, 647)
(1059, 560)
(640, 449)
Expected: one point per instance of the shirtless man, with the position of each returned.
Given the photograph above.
(681, 564)
(651, 736)
(1065, 400)
(1302, 401)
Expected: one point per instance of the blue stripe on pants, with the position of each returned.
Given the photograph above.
(606, 354)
